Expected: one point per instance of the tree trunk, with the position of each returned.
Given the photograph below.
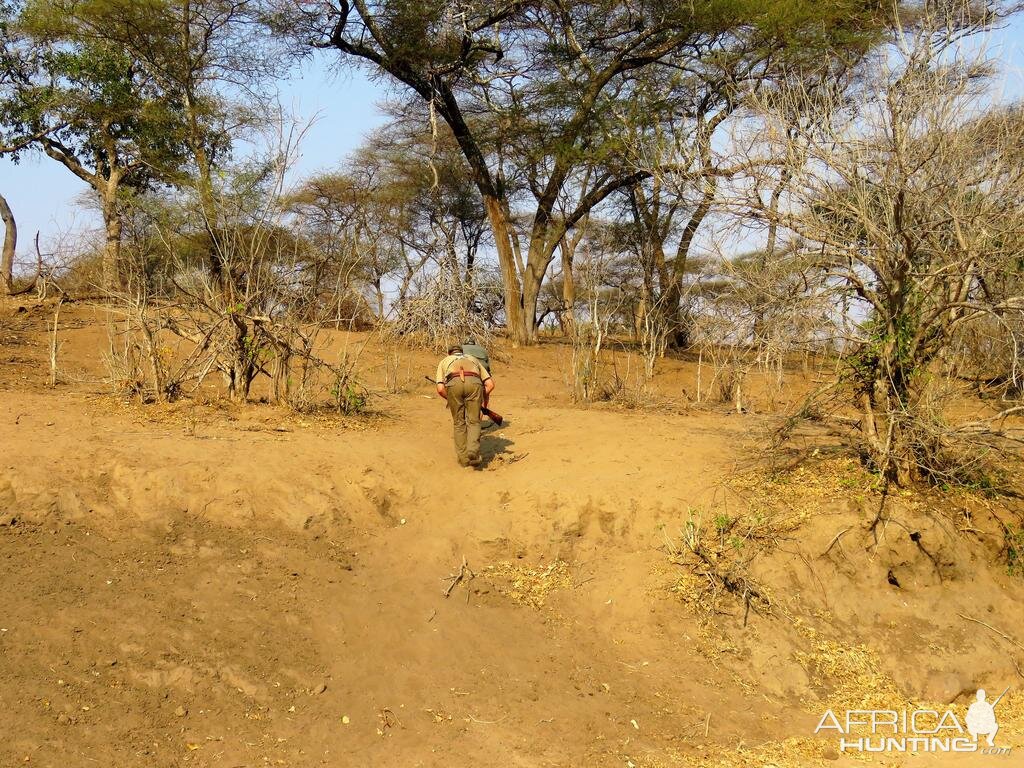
(514, 318)
(197, 136)
(544, 239)
(112, 255)
(888, 446)
(243, 369)
(537, 262)
(679, 332)
(113, 277)
(640, 312)
(531, 297)
(155, 363)
(280, 383)
(567, 316)
(675, 323)
(216, 260)
(379, 295)
(10, 244)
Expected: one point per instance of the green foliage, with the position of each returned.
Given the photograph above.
(128, 84)
(255, 350)
(559, 105)
(350, 396)
(85, 100)
(888, 351)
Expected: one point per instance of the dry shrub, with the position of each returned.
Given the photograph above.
(991, 358)
(730, 385)
(632, 397)
(718, 561)
(904, 195)
(756, 509)
(972, 454)
(399, 377)
(601, 299)
(124, 362)
(942, 449)
(605, 381)
(446, 308)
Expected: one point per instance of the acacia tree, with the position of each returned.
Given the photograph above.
(443, 287)
(684, 139)
(211, 58)
(85, 103)
(402, 206)
(269, 325)
(207, 57)
(909, 197)
(445, 219)
(353, 220)
(529, 90)
(10, 225)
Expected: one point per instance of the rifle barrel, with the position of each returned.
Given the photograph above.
(1000, 697)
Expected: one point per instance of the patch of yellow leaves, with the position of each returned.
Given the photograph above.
(529, 585)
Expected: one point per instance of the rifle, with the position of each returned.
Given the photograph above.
(495, 417)
(1000, 697)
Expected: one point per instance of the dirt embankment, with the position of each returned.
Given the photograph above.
(235, 586)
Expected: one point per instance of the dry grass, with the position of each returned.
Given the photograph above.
(847, 676)
(755, 509)
(528, 585)
(1011, 718)
(196, 416)
(763, 506)
(688, 587)
(786, 753)
(783, 501)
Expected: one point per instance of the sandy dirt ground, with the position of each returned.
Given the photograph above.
(204, 584)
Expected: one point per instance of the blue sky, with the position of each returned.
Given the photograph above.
(42, 194)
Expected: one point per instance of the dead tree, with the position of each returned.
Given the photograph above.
(10, 244)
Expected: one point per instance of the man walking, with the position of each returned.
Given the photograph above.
(464, 383)
(470, 347)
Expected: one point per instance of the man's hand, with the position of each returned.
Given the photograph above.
(488, 386)
(442, 391)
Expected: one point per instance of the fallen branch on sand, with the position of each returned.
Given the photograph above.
(835, 541)
(989, 626)
(464, 574)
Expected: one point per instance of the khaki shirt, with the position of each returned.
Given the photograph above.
(455, 363)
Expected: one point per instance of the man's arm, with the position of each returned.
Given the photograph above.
(442, 391)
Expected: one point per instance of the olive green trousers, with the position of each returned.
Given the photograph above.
(464, 401)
